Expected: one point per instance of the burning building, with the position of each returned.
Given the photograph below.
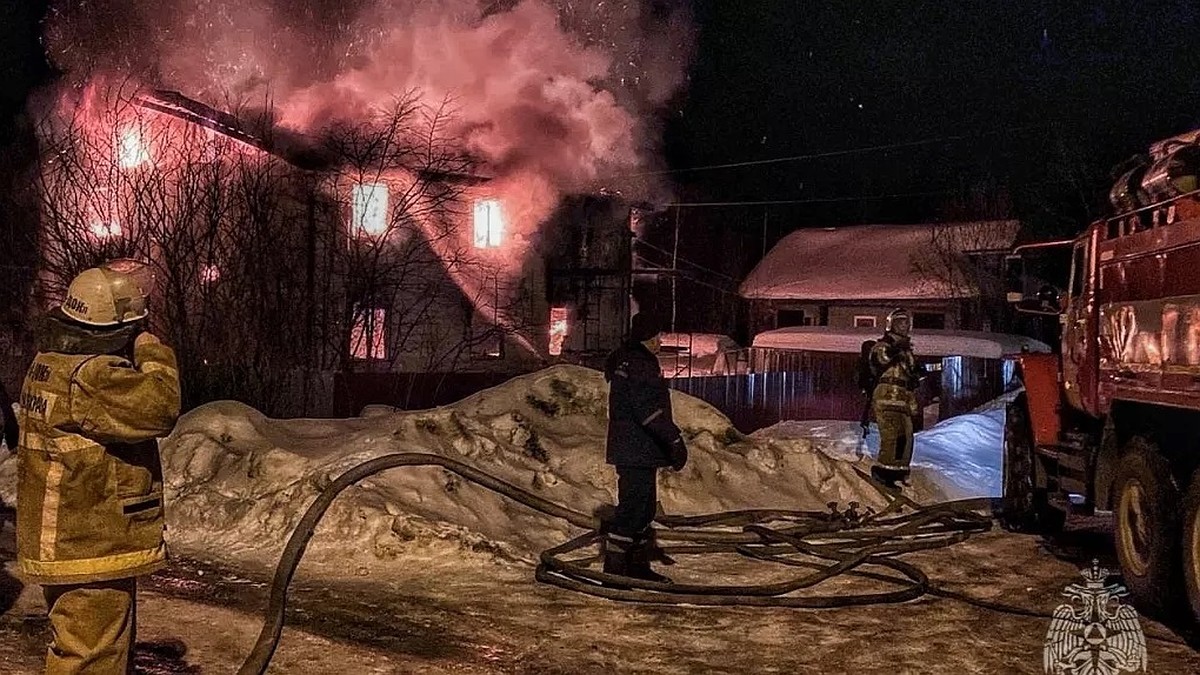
(277, 257)
(369, 186)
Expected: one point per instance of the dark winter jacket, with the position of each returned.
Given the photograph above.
(641, 431)
(9, 418)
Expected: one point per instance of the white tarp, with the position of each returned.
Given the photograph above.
(925, 342)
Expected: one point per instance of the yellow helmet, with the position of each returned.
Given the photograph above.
(104, 297)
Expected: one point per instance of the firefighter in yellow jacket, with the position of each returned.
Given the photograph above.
(894, 399)
(89, 495)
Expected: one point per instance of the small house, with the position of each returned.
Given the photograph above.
(846, 277)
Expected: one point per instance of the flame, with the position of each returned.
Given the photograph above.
(105, 229)
(489, 223)
(558, 329)
(369, 208)
(131, 148)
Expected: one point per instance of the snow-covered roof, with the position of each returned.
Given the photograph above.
(869, 262)
(925, 342)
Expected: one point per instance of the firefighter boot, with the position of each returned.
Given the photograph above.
(615, 550)
(884, 476)
(639, 561)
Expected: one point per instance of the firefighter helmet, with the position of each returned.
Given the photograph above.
(104, 298)
(899, 322)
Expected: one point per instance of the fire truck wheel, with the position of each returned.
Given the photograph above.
(1191, 545)
(1026, 507)
(1147, 526)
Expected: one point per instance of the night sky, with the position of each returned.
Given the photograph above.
(1016, 108)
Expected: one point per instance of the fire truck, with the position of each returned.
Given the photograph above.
(1111, 422)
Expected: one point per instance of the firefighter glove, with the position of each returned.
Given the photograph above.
(679, 455)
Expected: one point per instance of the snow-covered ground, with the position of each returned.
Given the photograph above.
(415, 571)
(963, 456)
(237, 482)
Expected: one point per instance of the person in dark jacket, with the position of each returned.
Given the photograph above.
(642, 438)
(11, 435)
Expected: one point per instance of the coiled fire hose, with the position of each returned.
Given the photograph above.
(828, 543)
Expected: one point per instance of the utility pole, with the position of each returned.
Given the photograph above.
(764, 243)
(674, 269)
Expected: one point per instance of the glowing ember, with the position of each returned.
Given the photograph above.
(489, 226)
(105, 230)
(367, 337)
(209, 274)
(131, 149)
(369, 206)
(558, 329)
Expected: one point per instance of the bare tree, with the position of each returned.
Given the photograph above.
(965, 261)
(267, 274)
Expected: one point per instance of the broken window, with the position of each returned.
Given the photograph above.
(369, 209)
(489, 225)
(558, 329)
(368, 336)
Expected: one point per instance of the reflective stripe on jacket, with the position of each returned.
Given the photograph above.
(89, 494)
(895, 375)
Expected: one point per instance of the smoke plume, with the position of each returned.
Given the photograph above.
(554, 95)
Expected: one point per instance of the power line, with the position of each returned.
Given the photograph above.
(831, 153)
(822, 200)
(698, 266)
(831, 200)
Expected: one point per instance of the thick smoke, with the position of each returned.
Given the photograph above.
(553, 95)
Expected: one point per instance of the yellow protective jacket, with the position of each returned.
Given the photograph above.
(89, 495)
(893, 360)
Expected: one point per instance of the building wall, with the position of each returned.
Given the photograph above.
(771, 314)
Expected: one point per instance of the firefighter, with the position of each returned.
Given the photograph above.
(89, 492)
(642, 438)
(894, 398)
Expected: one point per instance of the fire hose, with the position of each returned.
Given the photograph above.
(828, 543)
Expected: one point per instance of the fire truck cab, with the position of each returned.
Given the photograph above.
(1112, 422)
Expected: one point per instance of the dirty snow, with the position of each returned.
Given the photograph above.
(237, 482)
(979, 344)
(865, 262)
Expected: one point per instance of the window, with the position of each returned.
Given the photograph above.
(786, 318)
(489, 223)
(368, 336)
(1078, 270)
(558, 329)
(105, 229)
(929, 321)
(131, 148)
(862, 321)
(369, 209)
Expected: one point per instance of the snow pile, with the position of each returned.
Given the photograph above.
(238, 482)
(871, 262)
(963, 456)
(927, 342)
